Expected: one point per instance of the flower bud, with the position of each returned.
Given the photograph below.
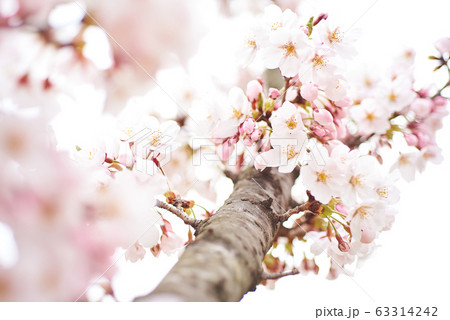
(248, 126)
(254, 89)
(440, 101)
(342, 244)
(323, 117)
(274, 93)
(256, 135)
(322, 16)
(411, 139)
(309, 91)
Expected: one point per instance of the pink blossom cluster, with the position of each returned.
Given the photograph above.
(66, 225)
(336, 131)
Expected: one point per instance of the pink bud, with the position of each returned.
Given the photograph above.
(440, 101)
(322, 16)
(225, 151)
(248, 141)
(265, 143)
(254, 89)
(342, 244)
(341, 208)
(367, 235)
(323, 117)
(411, 139)
(309, 91)
(249, 125)
(234, 138)
(276, 105)
(318, 131)
(274, 93)
(341, 130)
(256, 135)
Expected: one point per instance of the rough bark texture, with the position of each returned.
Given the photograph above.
(225, 260)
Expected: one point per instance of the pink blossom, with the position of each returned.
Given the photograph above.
(135, 252)
(274, 93)
(309, 91)
(248, 126)
(323, 117)
(256, 135)
(254, 89)
(443, 45)
(421, 107)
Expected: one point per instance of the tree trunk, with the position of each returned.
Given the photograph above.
(225, 260)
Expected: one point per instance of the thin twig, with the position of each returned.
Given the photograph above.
(283, 217)
(286, 87)
(278, 275)
(194, 223)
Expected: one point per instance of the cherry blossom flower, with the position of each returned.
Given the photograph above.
(367, 218)
(322, 176)
(233, 114)
(318, 67)
(370, 117)
(443, 45)
(407, 164)
(286, 121)
(397, 94)
(335, 38)
(361, 175)
(287, 49)
(286, 154)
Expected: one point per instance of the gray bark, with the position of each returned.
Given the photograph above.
(225, 260)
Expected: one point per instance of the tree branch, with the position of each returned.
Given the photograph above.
(278, 275)
(194, 223)
(225, 260)
(283, 217)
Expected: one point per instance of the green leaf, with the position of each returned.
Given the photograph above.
(310, 25)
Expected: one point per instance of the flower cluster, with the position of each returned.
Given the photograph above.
(58, 213)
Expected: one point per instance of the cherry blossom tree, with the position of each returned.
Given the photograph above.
(119, 141)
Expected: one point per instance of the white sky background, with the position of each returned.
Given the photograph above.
(411, 265)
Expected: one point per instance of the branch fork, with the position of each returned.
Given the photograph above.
(194, 223)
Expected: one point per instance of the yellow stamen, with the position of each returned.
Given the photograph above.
(291, 123)
(289, 49)
(335, 36)
(322, 176)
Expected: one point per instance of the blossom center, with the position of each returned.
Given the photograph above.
(383, 192)
(335, 36)
(319, 62)
(236, 113)
(392, 97)
(156, 138)
(92, 154)
(289, 49)
(362, 211)
(275, 26)
(356, 180)
(322, 176)
(251, 43)
(370, 116)
(291, 123)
